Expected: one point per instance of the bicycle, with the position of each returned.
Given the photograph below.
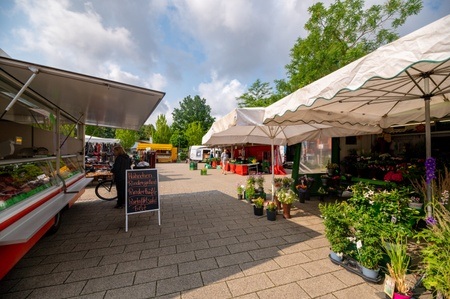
(106, 190)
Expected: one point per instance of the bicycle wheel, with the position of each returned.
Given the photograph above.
(106, 190)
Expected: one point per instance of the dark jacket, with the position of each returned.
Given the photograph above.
(121, 164)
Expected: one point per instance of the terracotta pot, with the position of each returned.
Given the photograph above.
(287, 210)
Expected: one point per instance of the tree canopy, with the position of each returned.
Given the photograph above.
(194, 133)
(127, 138)
(162, 132)
(192, 110)
(259, 94)
(341, 34)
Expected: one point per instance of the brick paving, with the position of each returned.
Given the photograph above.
(209, 245)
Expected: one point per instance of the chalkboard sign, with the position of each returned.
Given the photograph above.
(141, 192)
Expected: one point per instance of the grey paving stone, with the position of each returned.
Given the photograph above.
(291, 259)
(294, 247)
(89, 273)
(108, 283)
(175, 241)
(320, 267)
(142, 246)
(120, 258)
(40, 281)
(31, 271)
(287, 275)
(78, 264)
(16, 295)
(221, 274)
(146, 290)
(243, 246)
(60, 291)
(321, 285)
(223, 242)
(197, 266)
(176, 258)
(105, 251)
(288, 291)
(261, 266)
(249, 284)
(263, 253)
(179, 283)
(155, 274)
(211, 252)
(192, 246)
(136, 265)
(233, 259)
(216, 291)
(155, 252)
(232, 233)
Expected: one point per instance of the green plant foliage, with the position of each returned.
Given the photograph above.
(127, 138)
(286, 196)
(337, 225)
(194, 133)
(259, 202)
(192, 110)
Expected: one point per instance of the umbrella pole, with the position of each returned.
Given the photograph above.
(273, 169)
(428, 143)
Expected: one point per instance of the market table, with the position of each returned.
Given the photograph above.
(243, 169)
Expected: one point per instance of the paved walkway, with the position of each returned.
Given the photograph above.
(209, 245)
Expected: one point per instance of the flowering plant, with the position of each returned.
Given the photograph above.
(415, 199)
(393, 176)
(259, 202)
(287, 196)
(271, 206)
(278, 182)
(240, 188)
(287, 182)
(251, 180)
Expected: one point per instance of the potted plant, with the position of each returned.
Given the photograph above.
(337, 227)
(250, 192)
(271, 209)
(258, 205)
(240, 190)
(324, 178)
(287, 197)
(415, 202)
(322, 192)
(331, 168)
(435, 243)
(259, 180)
(398, 266)
(305, 184)
(369, 250)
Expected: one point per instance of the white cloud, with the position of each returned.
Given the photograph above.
(220, 94)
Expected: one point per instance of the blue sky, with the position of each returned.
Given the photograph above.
(212, 48)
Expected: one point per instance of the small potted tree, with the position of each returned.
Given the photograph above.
(240, 190)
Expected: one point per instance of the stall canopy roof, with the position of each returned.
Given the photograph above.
(94, 139)
(91, 100)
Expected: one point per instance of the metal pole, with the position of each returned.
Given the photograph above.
(428, 139)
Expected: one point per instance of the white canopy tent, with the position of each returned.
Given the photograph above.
(405, 81)
(245, 125)
(94, 139)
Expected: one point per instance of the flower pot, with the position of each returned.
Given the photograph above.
(240, 196)
(370, 273)
(287, 210)
(416, 205)
(258, 211)
(278, 204)
(335, 257)
(400, 296)
(271, 215)
(301, 196)
(324, 181)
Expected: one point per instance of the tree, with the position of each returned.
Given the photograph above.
(194, 133)
(127, 138)
(145, 132)
(97, 131)
(258, 95)
(341, 34)
(178, 139)
(162, 131)
(192, 110)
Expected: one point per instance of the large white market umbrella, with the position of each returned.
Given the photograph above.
(405, 81)
(245, 125)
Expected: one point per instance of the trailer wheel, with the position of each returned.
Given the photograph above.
(54, 228)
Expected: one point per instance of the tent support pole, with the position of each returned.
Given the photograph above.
(428, 139)
(273, 169)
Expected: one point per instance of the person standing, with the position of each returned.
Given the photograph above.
(122, 162)
(224, 159)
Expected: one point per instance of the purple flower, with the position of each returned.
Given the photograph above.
(430, 165)
(431, 221)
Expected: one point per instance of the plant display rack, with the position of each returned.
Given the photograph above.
(352, 265)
